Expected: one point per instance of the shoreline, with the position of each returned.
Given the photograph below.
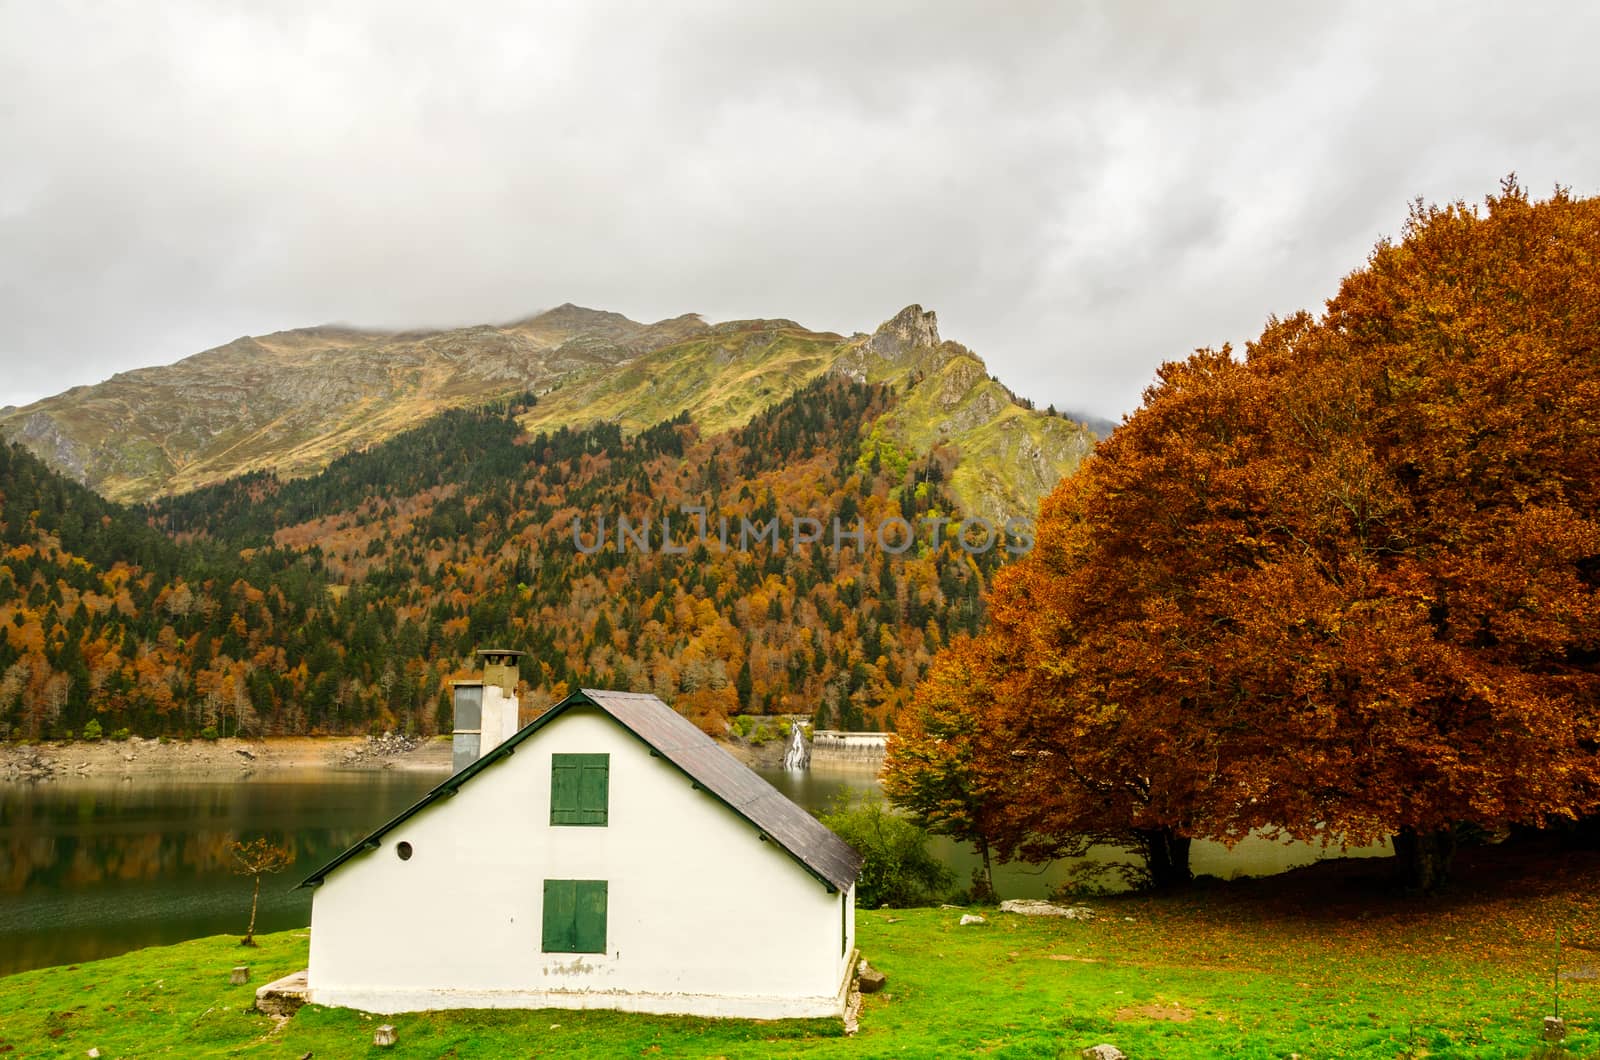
(241, 757)
(226, 757)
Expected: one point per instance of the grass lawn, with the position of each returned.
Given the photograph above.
(1320, 962)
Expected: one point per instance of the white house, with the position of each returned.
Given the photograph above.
(607, 855)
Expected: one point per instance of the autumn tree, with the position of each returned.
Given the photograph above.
(1103, 707)
(1345, 588)
(1441, 416)
(932, 771)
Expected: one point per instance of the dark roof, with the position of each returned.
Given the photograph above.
(806, 839)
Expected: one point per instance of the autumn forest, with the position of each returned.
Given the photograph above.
(345, 602)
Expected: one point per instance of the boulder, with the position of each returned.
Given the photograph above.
(383, 1036)
(1103, 1051)
(1036, 907)
(283, 997)
(870, 979)
(972, 918)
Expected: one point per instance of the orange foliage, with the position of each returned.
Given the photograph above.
(1346, 587)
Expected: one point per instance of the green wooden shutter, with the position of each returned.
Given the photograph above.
(560, 915)
(575, 916)
(580, 789)
(591, 921)
(594, 788)
(563, 789)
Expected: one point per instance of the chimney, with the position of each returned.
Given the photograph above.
(485, 710)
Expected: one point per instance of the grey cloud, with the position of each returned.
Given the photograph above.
(1081, 191)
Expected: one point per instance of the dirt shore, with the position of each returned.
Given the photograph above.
(237, 757)
(219, 758)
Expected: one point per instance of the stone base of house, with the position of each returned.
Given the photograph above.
(389, 1000)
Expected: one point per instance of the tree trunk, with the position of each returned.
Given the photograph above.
(1422, 859)
(1166, 855)
(983, 886)
(250, 932)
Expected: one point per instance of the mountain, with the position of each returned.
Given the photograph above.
(373, 520)
(292, 402)
(346, 600)
(1011, 455)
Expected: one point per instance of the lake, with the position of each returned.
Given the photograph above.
(95, 867)
(90, 868)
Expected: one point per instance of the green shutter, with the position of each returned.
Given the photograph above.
(563, 789)
(594, 788)
(591, 925)
(574, 916)
(580, 788)
(560, 915)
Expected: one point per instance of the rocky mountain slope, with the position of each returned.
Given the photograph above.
(293, 401)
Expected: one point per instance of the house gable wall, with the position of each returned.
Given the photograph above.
(703, 916)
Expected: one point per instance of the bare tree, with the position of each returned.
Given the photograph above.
(257, 858)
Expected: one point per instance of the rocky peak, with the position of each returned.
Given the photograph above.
(909, 329)
(576, 316)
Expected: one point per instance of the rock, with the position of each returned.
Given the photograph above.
(239, 976)
(283, 997)
(245, 753)
(972, 918)
(870, 979)
(93, 1053)
(909, 329)
(1035, 907)
(379, 749)
(384, 1036)
(1103, 1051)
(852, 1012)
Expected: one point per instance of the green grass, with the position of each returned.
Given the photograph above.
(1319, 963)
(722, 379)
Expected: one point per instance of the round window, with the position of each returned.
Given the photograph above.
(404, 850)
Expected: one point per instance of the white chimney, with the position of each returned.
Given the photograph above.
(486, 710)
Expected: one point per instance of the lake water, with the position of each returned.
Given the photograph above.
(94, 867)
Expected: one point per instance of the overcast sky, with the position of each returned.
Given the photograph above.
(1080, 190)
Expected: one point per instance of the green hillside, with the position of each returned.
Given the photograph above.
(721, 379)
